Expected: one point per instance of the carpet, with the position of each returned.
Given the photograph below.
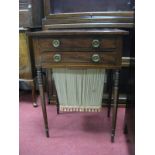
(70, 133)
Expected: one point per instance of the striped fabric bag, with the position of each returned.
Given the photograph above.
(79, 90)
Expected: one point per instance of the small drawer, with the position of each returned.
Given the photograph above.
(108, 58)
(77, 44)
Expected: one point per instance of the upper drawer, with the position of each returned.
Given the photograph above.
(77, 44)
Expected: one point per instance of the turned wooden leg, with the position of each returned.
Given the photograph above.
(49, 85)
(125, 128)
(115, 101)
(42, 95)
(34, 94)
(57, 103)
(110, 82)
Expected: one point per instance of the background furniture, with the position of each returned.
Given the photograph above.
(30, 13)
(30, 19)
(25, 70)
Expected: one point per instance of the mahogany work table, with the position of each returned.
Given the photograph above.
(77, 48)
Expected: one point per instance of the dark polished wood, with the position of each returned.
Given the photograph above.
(42, 95)
(71, 32)
(115, 101)
(30, 13)
(78, 44)
(49, 84)
(109, 57)
(110, 84)
(35, 104)
(108, 52)
(57, 104)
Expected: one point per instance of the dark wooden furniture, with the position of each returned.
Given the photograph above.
(78, 49)
(90, 14)
(30, 13)
(82, 34)
(25, 67)
(30, 18)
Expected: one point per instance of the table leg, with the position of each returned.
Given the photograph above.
(57, 103)
(49, 85)
(125, 128)
(33, 86)
(42, 95)
(116, 94)
(110, 82)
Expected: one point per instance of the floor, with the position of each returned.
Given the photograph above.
(70, 133)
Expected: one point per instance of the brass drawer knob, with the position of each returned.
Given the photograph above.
(56, 43)
(57, 57)
(95, 57)
(96, 43)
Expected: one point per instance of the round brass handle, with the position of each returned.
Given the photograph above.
(96, 43)
(57, 57)
(56, 43)
(95, 57)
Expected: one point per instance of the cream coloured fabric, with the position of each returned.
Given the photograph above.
(79, 89)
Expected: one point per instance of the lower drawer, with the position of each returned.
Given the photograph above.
(108, 58)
